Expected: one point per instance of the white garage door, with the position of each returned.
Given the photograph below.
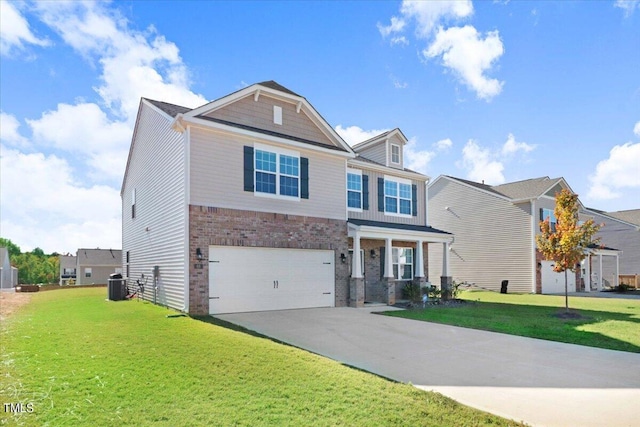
(258, 279)
(553, 283)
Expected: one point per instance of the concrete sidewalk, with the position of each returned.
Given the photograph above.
(542, 383)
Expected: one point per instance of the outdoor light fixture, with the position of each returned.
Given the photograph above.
(199, 254)
(343, 258)
(373, 253)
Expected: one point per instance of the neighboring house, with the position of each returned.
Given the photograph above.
(8, 274)
(495, 229)
(94, 266)
(68, 264)
(253, 202)
(621, 230)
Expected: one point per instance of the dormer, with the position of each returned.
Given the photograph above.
(386, 148)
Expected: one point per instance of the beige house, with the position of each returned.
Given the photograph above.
(253, 202)
(68, 265)
(495, 229)
(94, 266)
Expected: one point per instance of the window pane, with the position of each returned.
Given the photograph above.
(354, 182)
(265, 161)
(408, 255)
(266, 182)
(405, 207)
(395, 271)
(390, 204)
(406, 272)
(289, 165)
(395, 154)
(390, 188)
(288, 186)
(354, 199)
(405, 191)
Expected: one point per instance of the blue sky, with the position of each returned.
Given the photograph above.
(497, 91)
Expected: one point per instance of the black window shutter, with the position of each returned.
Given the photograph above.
(382, 254)
(304, 177)
(248, 168)
(365, 192)
(414, 200)
(541, 214)
(380, 194)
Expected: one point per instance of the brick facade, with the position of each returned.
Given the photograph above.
(231, 227)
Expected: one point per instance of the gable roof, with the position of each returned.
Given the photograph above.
(529, 188)
(391, 171)
(274, 90)
(99, 257)
(631, 216)
(378, 138)
(514, 191)
(171, 109)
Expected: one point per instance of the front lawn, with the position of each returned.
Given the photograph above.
(606, 323)
(82, 361)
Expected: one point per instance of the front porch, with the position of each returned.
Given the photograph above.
(384, 257)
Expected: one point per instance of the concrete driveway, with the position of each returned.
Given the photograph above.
(542, 383)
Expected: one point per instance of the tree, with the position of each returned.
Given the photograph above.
(566, 246)
(13, 249)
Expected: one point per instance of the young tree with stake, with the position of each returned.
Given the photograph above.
(566, 245)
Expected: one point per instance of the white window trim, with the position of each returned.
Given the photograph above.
(549, 215)
(399, 154)
(413, 262)
(354, 172)
(278, 151)
(88, 272)
(399, 181)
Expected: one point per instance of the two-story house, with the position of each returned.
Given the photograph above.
(495, 229)
(95, 266)
(68, 265)
(253, 202)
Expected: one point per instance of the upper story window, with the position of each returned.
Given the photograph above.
(397, 196)
(395, 154)
(88, 272)
(548, 213)
(275, 171)
(354, 189)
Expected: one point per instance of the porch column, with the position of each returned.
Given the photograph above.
(617, 278)
(446, 279)
(419, 260)
(599, 272)
(356, 267)
(356, 282)
(388, 259)
(587, 274)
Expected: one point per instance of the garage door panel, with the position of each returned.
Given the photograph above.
(259, 279)
(552, 282)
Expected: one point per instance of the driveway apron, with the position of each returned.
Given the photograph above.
(542, 383)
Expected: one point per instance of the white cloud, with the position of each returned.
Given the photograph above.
(621, 170)
(397, 83)
(628, 6)
(416, 159)
(512, 146)
(481, 164)
(134, 64)
(85, 129)
(9, 133)
(636, 129)
(42, 203)
(397, 25)
(444, 144)
(429, 14)
(15, 31)
(469, 56)
(399, 40)
(354, 135)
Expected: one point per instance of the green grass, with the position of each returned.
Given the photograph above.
(81, 360)
(606, 323)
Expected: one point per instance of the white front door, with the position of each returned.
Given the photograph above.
(245, 279)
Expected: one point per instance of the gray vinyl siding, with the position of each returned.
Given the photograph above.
(618, 235)
(373, 214)
(217, 178)
(259, 114)
(99, 275)
(156, 236)
(377, 153)
(493, 239)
